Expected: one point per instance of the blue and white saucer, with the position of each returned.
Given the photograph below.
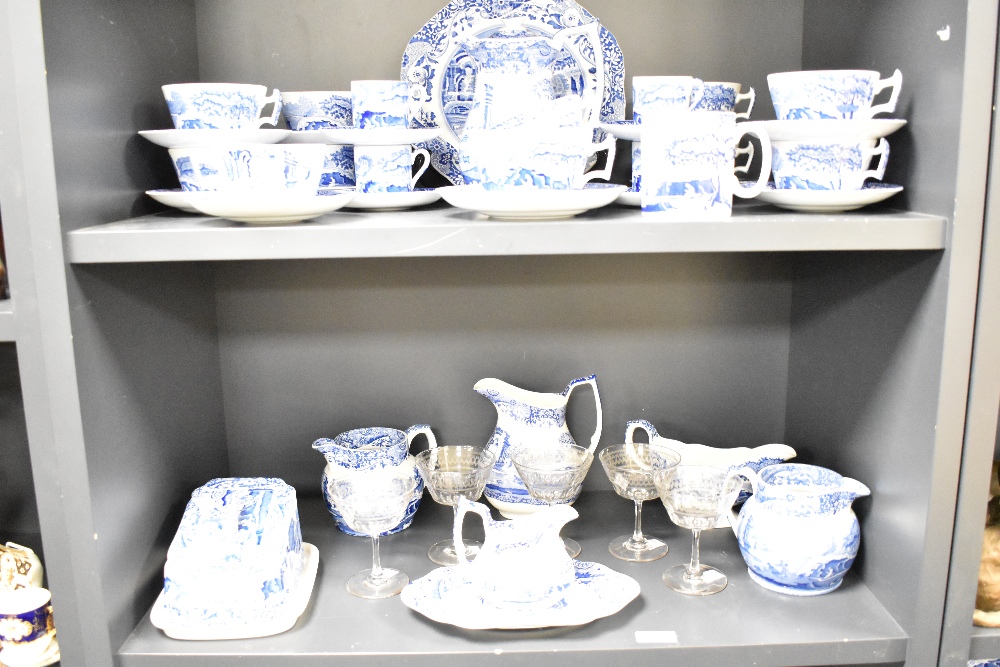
(830, 129)
(531, 203)
(598, 591)
(266, 208)
(191, 138)
(379, 136)
(828, 201)
(628, 130)
(393, 201)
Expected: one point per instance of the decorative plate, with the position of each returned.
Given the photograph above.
(190, 138)
(281, 621)
(531, 203)
(175, 198)
(828, 201)
(393, 201)
(382, 136)
(830, 129)
(442, 74)
(597, 592)
(268, 208)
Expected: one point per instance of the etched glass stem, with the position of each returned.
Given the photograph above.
(453, 549)
(378, 574)
(694, 567)
(638, 541)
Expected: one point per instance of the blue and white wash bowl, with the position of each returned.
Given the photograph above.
(798, 533)
(831, 94)
(366, 451)
(220, 106)
(827, 165)
(285, 168)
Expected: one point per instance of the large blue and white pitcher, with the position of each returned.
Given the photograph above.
(526, 419)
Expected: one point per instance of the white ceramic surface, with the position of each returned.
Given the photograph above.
(307, 137)
(281, 621)
(189, 138)
(380, 136)
(531, 203)
(597, 591)
(175, 198)
(829, 201)
(830, 129)
(12, 657)
(267, 209)
(393, 201)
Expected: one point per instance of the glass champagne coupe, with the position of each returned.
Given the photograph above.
(695, 498)
(554, 475)
(452, 473)
(372, 503)
(630, 468)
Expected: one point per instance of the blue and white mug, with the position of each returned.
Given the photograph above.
(689, 166)
(726, 96)
(388, 168)
(827, 165)
(317, 109)
(831, 94)
(380, 103)
(26, 619)
(220, 106)
(251, 167)
(338, 167)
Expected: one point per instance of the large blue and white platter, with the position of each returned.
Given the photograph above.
(442, 75)
(597, 591)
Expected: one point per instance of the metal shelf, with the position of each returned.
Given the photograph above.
(744, 624)
(6, 321)
(985, 644)
(444, 231)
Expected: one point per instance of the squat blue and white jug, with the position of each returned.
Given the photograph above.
(798, 533)
(363, 451)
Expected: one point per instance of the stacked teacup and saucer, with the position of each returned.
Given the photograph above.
(231, 167)
(27, 629)
(826, 138)
(381, 140)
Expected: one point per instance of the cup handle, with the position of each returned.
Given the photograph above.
(752, 96)
(609, 143)
(274, 98)
(896, 81)
(754, 128)
(592, 381)
(421, 429)
(881, 151)
(749, 152)
(423, 167)
(697, 93)
(636, 424)
(464, 506)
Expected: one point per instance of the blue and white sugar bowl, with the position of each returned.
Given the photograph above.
(364, 450)
(798, 533)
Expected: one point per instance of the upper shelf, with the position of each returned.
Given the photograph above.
(6, 321)
(444, 231)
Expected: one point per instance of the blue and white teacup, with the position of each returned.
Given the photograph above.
(380, 103)
(220, 106)
(251, 167)
(364, 451)
(657, 95)
(533, 157)
(831, 94)
(338, 168)
(726, 96)
(827, 165)
(689, 166)
(26, 620)
(388, 168)
(317, 109)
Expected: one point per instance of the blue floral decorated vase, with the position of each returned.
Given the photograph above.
(798, 533)
(526, 419)
(363, 450)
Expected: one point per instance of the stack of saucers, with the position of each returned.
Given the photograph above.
(231, 167)
(825, 139)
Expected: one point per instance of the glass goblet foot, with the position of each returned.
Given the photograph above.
(443, 553)
(648, 549)
(389, 583)
(706, 581)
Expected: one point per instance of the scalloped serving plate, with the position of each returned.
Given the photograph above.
(598, 591)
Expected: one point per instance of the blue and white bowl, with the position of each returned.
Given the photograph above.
(220, 106)
(364, 451)
(286, 168)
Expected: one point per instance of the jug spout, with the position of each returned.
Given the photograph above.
(326, 447)
(855, 488)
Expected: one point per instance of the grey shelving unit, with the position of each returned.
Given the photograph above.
(159, 352)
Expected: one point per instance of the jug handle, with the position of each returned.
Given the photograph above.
(750, 474)
(636, 424)
(416, 430)
(465, 505)
(609, 144)
(592, 381)
(592, 32)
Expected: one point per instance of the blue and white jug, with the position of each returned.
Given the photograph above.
(798, 533)
(363, 450)
(526, 419)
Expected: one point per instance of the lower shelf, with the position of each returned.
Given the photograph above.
(6, 321)
(985, 644)
(743, 624)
